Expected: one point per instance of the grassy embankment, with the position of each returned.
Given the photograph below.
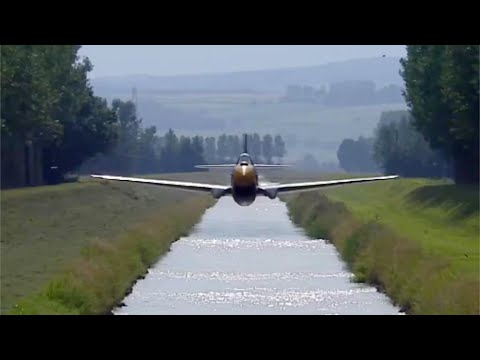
(77, 248)
(416, 239)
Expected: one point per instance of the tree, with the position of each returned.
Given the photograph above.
(147, 157)
(357, 155)
(88, 123)
(267, 148)
(185, 151)
(460, 88)
(346, 154)
(210, 150)
(50, 115)
(255, 147)
(279, 150)
(91, 131)
(231, 152)
(400, 149)
(27, 102)
(197, 150)
(237, 146)
(222, 147)
(127, 151)
(169, 152)
(442, 94)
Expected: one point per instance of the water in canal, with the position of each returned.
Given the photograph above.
(251, 260)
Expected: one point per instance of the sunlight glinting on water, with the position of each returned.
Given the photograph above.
(251, 260)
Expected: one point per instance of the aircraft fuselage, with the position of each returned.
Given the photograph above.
(244, 182)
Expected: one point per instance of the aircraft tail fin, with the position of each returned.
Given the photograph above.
(245, 148)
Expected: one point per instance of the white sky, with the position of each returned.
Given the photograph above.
(114, 60)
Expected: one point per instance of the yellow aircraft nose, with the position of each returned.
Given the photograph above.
(244, 176)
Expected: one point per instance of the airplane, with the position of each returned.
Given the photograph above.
(244, 186)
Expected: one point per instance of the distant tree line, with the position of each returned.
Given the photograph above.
(143, 151)
(226, 148)
(346, 93)
(396, 148)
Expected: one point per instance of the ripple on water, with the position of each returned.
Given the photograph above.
(258, 244)
(248, 277)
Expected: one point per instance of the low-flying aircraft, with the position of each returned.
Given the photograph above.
(244, 186)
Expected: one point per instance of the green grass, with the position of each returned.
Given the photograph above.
(45, 229)
(417, 239)
(444, 218)
(106, 269)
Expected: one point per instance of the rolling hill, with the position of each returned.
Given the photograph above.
(382, 71)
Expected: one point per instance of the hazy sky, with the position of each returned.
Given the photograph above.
(110, 60)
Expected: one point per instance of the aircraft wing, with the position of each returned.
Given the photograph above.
(273, 190)
(258, 166)
(270, 166)
(220, 166)
(215, 190)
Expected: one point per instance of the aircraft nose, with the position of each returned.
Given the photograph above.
(247, 170)
(244, 175)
